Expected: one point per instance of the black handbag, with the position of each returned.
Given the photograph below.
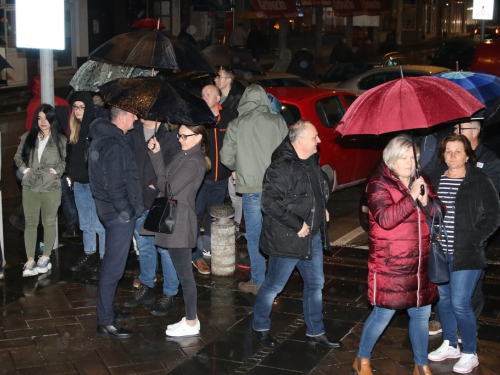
(163, 214)
(438, 270)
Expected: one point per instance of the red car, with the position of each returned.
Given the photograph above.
(346, 160)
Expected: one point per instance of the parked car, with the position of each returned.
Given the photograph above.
(451, 52)
(343, 71)
(195, 81)
(377, 76)
(487, 58)
(347, 161)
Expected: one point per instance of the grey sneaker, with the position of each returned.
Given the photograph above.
(43, 265)
(30, 269)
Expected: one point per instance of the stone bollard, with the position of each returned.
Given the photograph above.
(223, 242)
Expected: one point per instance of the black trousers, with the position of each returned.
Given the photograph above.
(181, 258)
(118, 239)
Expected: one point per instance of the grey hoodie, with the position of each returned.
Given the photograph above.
(251, 139)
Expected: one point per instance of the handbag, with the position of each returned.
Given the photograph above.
(163, 214)
(438, 270)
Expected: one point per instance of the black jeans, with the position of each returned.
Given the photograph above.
(118, 240)
(182, 263)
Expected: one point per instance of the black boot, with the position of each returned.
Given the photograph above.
(85, 262)
(96, 271)
(164, 305)
(142, 296)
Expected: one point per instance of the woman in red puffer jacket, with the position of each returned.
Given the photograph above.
(399, 251)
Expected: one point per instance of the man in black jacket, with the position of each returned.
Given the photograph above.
(117, 192)
(214, 188)
(294, 200)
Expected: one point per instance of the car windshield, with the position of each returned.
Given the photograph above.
(330, 110)
(283, 82)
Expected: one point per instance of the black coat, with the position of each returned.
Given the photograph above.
(113, 173)
(287, 202)
(233, 98)
(477, 216)
(216, 135)
(147, 177)
(76, 163)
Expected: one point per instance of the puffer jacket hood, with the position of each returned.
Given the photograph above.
(254, 99)
(36, 86)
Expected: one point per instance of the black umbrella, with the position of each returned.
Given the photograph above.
(156, 99)
(492, 114)
(4, 64)
(152, 49)
(234, 58)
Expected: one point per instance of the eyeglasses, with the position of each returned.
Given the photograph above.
(458, 128)
(77, 108)
(222, 77)
(184, 136)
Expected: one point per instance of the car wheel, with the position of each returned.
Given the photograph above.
(363, 212)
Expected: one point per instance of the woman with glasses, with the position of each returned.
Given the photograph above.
(77, 168)
(183, 177)
(40, 158)
(472, 215)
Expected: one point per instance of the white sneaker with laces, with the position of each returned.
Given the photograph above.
(30, 269)
(444, 351)
(181, 329)
(43, 265)
(207, 253)
(466, 363)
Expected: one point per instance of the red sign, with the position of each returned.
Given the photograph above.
(347, 8)
(375, 7)
(275, 8)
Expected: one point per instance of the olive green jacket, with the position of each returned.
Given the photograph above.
(39, 178)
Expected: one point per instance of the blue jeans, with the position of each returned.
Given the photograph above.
(89, 221)
(148, 260)
(278, 274)
(210, 194)
(253, 222)
(455, 307)
(68, 206)
(118, 239)
(418, 330)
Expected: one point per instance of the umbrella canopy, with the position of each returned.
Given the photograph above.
(492, 114)
(4, 64)
(408, 103)
(234, 58)
(93, 74)
(157, 99)
(147, 23)
(152, 49)
(484, 87)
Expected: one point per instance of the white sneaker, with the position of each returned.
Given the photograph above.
(466, 363)
(183, 329)
(43, 264)
(443, 352)
(207, 253)
(30, 269)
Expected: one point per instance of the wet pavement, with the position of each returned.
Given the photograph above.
(48, 323)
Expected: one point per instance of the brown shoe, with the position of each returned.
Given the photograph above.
(201, 266)
(248, 287)
(361, 366)
(422, 370)
(435, 328)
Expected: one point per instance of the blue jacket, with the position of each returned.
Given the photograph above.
(113, 173)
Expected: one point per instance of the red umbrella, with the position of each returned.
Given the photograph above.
(148, 23)
(408, 103)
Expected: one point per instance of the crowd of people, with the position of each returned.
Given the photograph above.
(116, 165)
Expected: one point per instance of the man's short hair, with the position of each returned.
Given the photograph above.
(114, 112)
(297, 129)
(229, 72)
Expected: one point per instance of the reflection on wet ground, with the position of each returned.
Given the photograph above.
(48, 324)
